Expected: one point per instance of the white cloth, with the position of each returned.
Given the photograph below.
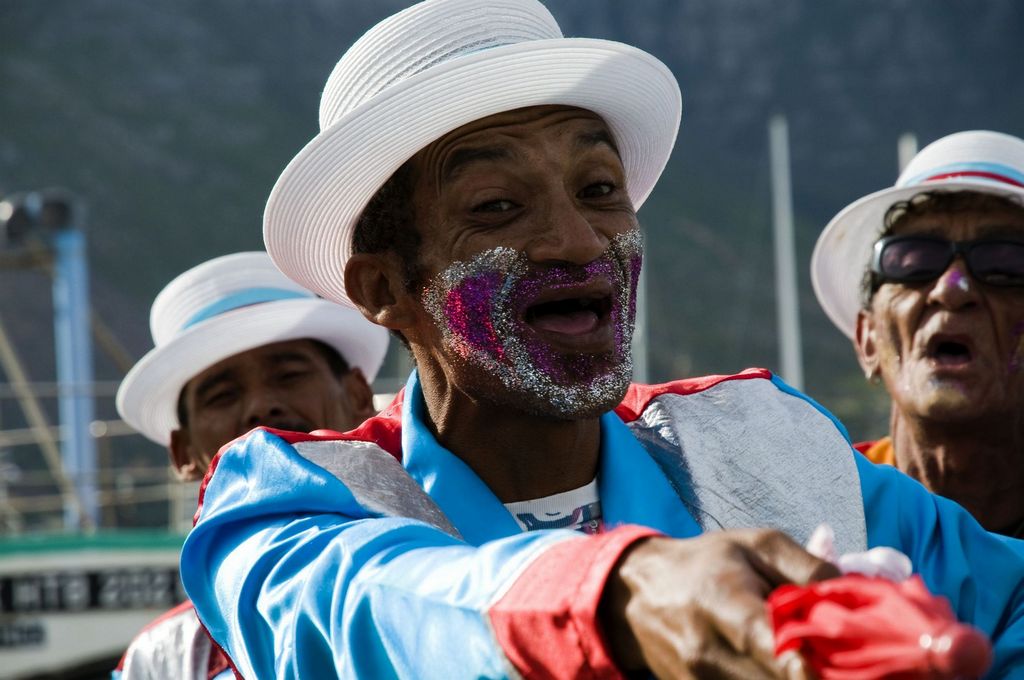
(578, 509)
(173, 647)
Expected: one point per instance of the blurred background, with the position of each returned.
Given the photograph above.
(138, 139)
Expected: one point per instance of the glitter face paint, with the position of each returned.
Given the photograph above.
(957, 279)
(480, 307)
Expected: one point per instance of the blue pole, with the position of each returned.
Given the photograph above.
(74, 372)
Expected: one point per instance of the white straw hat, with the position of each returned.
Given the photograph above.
(430, 69)
(977, 160)
(225, 306)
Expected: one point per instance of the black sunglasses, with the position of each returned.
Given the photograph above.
(915, 259)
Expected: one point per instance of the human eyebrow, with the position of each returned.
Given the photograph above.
(1001, 231)
(279, 358)
(459, 159)
(588, 140)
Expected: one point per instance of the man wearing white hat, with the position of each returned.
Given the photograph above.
(238, 345)
(473, 188)
(927, 279)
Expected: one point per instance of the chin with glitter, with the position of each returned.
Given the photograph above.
(483, 305)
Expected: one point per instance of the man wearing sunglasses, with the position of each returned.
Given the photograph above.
(937, 263)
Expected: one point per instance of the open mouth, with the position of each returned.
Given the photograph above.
(570, 315)
(947, 351)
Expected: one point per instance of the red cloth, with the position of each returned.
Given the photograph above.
(861, 628)
(547, 621)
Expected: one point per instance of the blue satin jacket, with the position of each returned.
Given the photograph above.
(379, 554)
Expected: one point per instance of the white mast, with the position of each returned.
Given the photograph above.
(906, 148)
(790, 351)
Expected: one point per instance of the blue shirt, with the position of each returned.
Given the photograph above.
(296, 575)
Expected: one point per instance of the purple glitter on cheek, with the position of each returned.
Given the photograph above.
(635, 263)
(467, 310)
(621, 338)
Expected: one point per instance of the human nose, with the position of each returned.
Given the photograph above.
(955, 288)
(567, 234)
(263, 407)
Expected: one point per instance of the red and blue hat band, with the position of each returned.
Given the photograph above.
(986, 172)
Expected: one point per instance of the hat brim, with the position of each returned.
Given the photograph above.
(314, 206)
(148, 396)
(843, 251)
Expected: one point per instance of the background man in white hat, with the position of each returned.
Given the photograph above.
(473, 188)
(927, 279)
(238, 345)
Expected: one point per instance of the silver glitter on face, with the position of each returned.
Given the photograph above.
(481, 305)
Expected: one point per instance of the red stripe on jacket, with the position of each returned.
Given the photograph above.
(547, 623)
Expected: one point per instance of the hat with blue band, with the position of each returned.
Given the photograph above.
(223, 307)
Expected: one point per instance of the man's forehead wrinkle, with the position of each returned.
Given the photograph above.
(996, 228)
(453, 162)
(517, 124)
(587, 140)
(458, 160)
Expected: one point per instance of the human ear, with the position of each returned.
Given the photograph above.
(866, 343)
(182, 457)
(375, 284)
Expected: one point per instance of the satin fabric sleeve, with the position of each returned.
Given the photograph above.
(294, 579)
(981, 574)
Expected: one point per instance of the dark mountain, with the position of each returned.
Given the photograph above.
(173, 119)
